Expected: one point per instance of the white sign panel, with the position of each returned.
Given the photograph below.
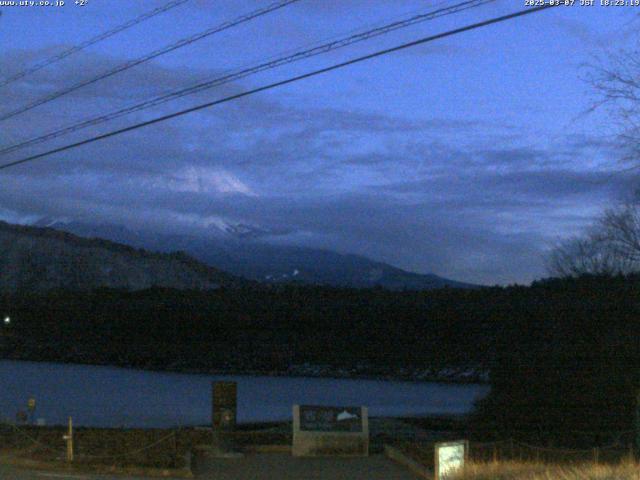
(450, 458)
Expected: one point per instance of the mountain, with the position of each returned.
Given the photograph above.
(40, 259)
(240, 251)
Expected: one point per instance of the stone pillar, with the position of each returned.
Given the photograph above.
(224, 408)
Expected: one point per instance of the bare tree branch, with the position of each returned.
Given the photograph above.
(611, 248)
(616, 83)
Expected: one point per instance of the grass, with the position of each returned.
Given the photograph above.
(152, 448)
(516, 461)
(513, 470)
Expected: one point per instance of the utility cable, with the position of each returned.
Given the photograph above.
(270, 86)
(92, 41)
(156, 53)
(267, 65)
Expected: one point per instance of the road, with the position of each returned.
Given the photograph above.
(258, 467)
(11, 473)
(286, 467)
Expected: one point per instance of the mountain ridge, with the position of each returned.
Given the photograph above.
(43, 259)
(270, 263)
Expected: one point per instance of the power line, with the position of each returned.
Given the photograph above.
(270, 86)
(156, 53)
(268, 65)
(92, 41)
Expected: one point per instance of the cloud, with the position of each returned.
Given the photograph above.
(459, 197)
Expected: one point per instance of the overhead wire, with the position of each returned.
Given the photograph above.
(245, 72)
(92, 41)
(156, 53)
(520, 13)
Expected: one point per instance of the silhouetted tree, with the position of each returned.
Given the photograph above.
(616, 84)
(612, 246)
(619, 229)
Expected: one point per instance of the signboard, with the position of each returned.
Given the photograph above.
(224, 405)
(330, 419)
(320, 430)
(450, 458)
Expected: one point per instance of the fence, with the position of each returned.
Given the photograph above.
(146, 448)
(513, 450)
(169, 448)
(526, 452)
(157, 448)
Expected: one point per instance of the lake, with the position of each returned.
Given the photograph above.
(113, 397)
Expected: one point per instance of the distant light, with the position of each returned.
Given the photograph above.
(7, 320)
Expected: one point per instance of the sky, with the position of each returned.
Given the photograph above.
(469, 157)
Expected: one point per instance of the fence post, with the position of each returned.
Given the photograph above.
(636, 425)
(520, 452)
(511, 452)
(175, 448)
(495, 454)
(596, 455)
(69, 438)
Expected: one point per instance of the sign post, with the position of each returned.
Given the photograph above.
(31, 406)
(224, 408)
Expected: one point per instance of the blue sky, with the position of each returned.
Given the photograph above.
(468, 157)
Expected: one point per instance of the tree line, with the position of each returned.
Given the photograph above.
(563, 354)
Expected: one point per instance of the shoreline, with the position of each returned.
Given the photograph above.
(466, 380)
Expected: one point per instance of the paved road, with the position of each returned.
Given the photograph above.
(258, 467)
(286, 467)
